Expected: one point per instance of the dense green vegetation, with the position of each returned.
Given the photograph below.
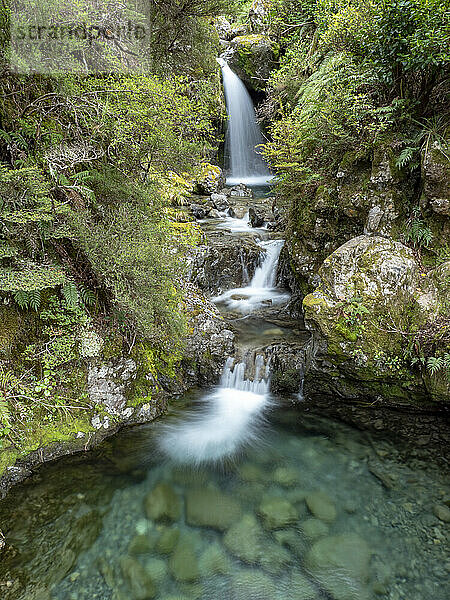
(88, 237)
(352, 73)
(362, 93)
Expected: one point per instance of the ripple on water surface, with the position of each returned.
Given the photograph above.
(318, 511)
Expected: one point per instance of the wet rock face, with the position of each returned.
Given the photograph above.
(367, 286)
(107, 384)
(366, 195)
(252, 57)
(256, 218)
(210, 342)
(227, 263)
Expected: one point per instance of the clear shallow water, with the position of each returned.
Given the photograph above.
(303, 514)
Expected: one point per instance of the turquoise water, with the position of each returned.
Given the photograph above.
(316, 510)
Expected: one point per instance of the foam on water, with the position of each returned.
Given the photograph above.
(230, 418)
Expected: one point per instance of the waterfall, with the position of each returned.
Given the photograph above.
(245, 165)
(230, 417)
(266, 274)
(262, 290)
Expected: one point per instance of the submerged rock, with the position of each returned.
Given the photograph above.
(321, 506)
(286, 476)
(214, 561)
(157, 569)
(163, 504)
(347, 552)
(302, 588)
(314, 529)
(168, 540)
(277, 513)
(442, 512)
(211, 508)
(183, 563)
(252, 585)
(139, 581)
(244, 539)
(140, 544)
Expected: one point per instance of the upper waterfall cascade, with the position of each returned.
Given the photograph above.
(244, 163)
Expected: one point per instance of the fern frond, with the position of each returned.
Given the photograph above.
(70, 293)
(21, 298)
(87, 296)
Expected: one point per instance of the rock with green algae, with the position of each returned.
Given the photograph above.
(157, 569)
(366, 284)
(207, 507)
(321, 506)
(301, 588)
(277, 513)
(214, 561)
(291, 539)
(274, 558)
(251, 584)
(139, 581)
(347, 553)
(168, 540)
(183, 563)
(141, 544)
(252, 57)
(314, 529)
(244, 539)
(163, 503)
(286, 476)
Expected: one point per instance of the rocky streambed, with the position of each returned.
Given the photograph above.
(316, 511)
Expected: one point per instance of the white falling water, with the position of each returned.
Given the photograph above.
(243, 134)
(261, 291)
(230, 418)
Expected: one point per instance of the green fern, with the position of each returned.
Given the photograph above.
(435, 364)
(87, 296)
(70, 293)
(34, 299)
(21, 298)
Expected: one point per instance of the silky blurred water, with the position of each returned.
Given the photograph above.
(303, 514)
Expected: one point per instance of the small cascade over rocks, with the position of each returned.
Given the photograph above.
(245, 165)
(229, 418)
(262, 290)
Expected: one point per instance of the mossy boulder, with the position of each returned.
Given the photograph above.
(209, 179)
(252, 58)
(372, 290)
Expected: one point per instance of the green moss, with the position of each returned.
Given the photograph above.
(41, 433)
(343, 330)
